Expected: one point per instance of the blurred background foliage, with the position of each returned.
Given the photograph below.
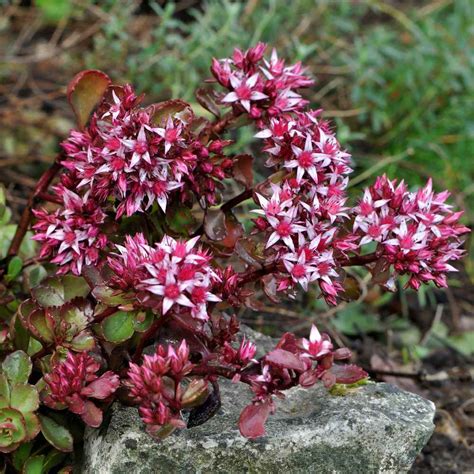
(395, 76)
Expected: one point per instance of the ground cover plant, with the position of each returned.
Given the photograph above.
(141, 246)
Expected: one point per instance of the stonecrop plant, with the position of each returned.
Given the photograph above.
(142, 248)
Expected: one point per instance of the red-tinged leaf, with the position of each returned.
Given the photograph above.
(348, 374)
(284, 359)
(270, 286)
(288, 342)
(252, 420)
(178, 108)
(243, 170)
(102, 387)
(234, 231)
(214, 225)
(205, 411)
(308, 379)
(328, 379)
(92, 415)
(352, 289)
(93, 276)
(264, 186)
(248, 251)
(207, 98)
(85, 92)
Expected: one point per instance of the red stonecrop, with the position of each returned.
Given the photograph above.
(145, 215)
(72, 382)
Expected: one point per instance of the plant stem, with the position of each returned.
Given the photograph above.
(220, 125)
(25, 219)
(149, 333)
(253, 275)
(236, 200)
(359, 260)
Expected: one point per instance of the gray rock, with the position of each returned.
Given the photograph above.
(374, 428)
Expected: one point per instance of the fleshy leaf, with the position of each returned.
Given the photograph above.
(347, 374)
(55, 434)
(17, 367)
(175, 107)
(102, 387)
(21, 455)
(92, 415)
(108, 296)
(214, 224)
(119, 327)
(34, 465)
(85, 92)
(206, 97)
(195, 393)
(243, 170)
(24, 398)
(59, 290)
(284, 359)
(252, 420)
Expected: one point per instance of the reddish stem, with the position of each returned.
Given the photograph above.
(220, 125)
(25, 219)
(146, 336)
(107, 312)
(253, 275)
(359, 260)
(236, 200)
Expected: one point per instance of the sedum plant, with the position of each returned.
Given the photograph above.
(140, 234)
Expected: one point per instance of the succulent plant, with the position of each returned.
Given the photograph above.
(18, 402)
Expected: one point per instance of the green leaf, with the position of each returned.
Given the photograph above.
(4, 387)
(14, 268)
(24, 398)
(53, 459)
(85, 92)
(59, 290)
(119, 327)
(143, 321)
(32, 425)
(21, 455)
(55, 434)
(17, 367)
(34, 465)
(108, 296)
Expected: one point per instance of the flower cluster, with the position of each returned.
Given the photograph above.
(157, 386)
(415, 232)
(169, 274)
(72, 382)
(126, 155)
(304, 212)
(258, 86)
(121, 164)
(71, 236)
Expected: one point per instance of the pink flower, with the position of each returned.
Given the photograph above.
(417, 232)
(171, 274)
(244, 91)
(71, 383)
(317, 345)
(156, 386)
(72, 236)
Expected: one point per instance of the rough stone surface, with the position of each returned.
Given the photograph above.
(375, 428)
